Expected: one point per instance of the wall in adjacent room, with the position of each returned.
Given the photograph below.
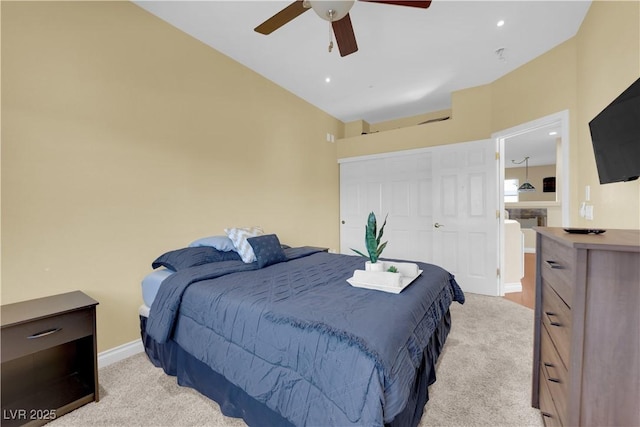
(123, 137)
(536, 176)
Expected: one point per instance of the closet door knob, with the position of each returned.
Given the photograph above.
(436, 225)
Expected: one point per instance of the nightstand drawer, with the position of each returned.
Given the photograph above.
(554, 373)
(27, 338)
(557, 267)
(556, 317)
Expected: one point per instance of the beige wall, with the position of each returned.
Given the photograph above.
(122, 138)
(608, 62)
(470, 121)
(581, 75)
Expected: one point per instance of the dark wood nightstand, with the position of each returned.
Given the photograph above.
(49, 358)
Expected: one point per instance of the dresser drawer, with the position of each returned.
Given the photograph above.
(30, 337)
(556, 318)
(554, 372)
(557, 267)
(547, 407)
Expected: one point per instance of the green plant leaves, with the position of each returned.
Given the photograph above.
(372, 238)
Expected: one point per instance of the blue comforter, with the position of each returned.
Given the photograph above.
(298, 338)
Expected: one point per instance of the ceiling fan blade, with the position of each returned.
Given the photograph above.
(412, 3)
(346, 39)
(287, 14)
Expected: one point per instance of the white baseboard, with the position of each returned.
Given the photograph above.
(115, 354)
(529, 250)
(512, 287)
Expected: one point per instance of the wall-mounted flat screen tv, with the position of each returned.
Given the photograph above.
(615, 134)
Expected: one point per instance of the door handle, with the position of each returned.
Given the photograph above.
(436, 225)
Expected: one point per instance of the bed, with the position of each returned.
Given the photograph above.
(286, 340)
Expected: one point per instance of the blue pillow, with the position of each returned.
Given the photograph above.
(267, 249)
(189, 257)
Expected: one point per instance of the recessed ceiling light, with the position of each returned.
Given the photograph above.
(500, 23)
(553, 132)
(327, 79)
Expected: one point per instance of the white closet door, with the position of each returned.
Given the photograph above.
(451, 186)
(466, 226)
(360, 193)
(399, 186)
(406, 197)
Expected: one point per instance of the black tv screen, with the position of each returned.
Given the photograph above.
(615, 134)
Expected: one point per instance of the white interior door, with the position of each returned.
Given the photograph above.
(441, 202)
(465, 214)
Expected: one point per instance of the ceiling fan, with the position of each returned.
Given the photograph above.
(336, 12)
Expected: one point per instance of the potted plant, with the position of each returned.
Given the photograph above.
(372, 239)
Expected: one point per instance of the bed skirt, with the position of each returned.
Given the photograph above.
(234, 402)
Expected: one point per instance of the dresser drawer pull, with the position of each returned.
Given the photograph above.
(553, 264)
(546, 414)
(551, 314)
(44, 333)
(552, 379)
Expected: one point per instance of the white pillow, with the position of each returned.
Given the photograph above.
(239, 238)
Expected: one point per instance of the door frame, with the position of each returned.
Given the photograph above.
(562, 118)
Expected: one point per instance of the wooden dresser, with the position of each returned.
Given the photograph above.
(586, 363)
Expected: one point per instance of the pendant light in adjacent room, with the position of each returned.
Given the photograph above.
(526, 186)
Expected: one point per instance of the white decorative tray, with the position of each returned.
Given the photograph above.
(404, 282)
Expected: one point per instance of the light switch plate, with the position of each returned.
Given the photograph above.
(589, 212)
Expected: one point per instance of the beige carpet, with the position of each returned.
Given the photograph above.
(484, 378)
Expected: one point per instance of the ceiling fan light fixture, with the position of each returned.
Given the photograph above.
(331, 10)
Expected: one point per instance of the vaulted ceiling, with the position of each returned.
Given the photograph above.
(409, 60)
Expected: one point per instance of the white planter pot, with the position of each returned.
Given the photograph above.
(376, 266)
